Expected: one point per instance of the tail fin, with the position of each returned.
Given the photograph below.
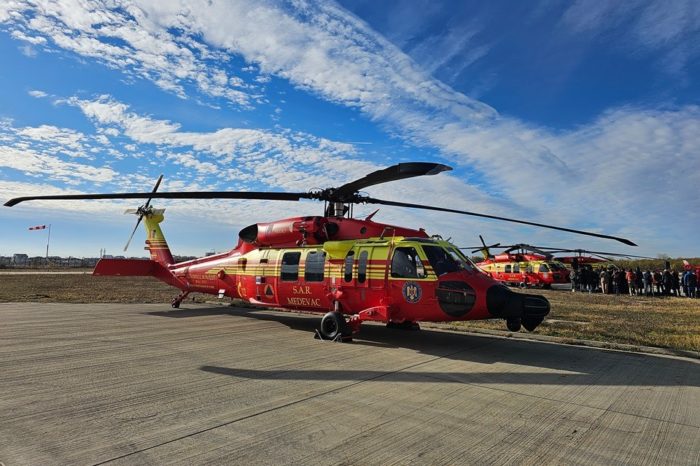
(155, 241)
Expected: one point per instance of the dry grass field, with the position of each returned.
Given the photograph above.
(672, 323)
(665, 322)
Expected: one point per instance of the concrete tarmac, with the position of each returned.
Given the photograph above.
(146, 384)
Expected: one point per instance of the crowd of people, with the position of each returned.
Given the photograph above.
(618, 281)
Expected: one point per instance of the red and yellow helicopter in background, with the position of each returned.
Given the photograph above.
(525, 265)
(522, 265)
(351, 270)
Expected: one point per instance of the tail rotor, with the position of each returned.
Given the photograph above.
(484, 249)
(141, 211)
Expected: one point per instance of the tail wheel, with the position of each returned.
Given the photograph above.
(333, 326)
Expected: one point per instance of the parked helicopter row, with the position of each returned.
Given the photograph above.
(351, 270)
(536, 266)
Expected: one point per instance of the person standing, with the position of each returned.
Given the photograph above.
(675, 283)
(656, 278)
(667, 282)
(604, 275)
(692, 283)
(639, 281)
(647, 280)
(629, 275)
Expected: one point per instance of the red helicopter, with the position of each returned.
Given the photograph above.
(586, 257)
(351, 270)
(522, 265)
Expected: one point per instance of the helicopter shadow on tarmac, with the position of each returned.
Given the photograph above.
(571, 365)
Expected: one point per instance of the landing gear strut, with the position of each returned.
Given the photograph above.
(176, 302)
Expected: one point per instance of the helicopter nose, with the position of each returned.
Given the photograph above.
(504, 303)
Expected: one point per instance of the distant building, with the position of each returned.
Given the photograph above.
(20, 260)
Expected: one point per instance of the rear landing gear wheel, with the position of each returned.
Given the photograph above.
(513, 324)
(531, 324)
(334, 327)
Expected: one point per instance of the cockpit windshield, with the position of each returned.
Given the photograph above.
(446, 260)
(464, 262)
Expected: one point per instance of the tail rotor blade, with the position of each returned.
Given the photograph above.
(138, 222)
(155, 188)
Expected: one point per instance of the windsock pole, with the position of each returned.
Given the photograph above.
(48, 239)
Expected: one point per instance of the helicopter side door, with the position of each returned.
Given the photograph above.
(407, 278)
(371, 274)
(265, 278)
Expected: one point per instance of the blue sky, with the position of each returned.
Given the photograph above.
(580, 114)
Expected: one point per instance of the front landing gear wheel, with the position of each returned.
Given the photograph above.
(531, 324)
(513, 324)
(334, 327)
(175, 304)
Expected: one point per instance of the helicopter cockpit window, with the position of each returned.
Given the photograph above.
(313, 269)
(349, 262)
(544, 268)
(516, 268)
(406, 264)
(556, 266)
(441, 261)
(508, 268)
(290, 266)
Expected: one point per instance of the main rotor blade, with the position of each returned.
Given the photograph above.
(586, 251)
(138, 222)
(395, 172)
(370, 200)
(256, 195)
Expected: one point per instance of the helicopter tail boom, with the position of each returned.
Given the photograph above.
(136, 268)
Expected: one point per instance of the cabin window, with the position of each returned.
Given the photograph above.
(362, 267)
(508, 268)
(313, 268)
(544, 268)
(242, 263)
(349, 262)
(529, 268)
(290, 266)
(440, 260)
(406, 264)
(516, 268)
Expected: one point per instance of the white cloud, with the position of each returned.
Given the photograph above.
(642, 26)
(31, 162)
(622, 172)
(37, 94)
(121, 35)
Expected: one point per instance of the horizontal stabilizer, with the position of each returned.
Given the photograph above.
(127, 267)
